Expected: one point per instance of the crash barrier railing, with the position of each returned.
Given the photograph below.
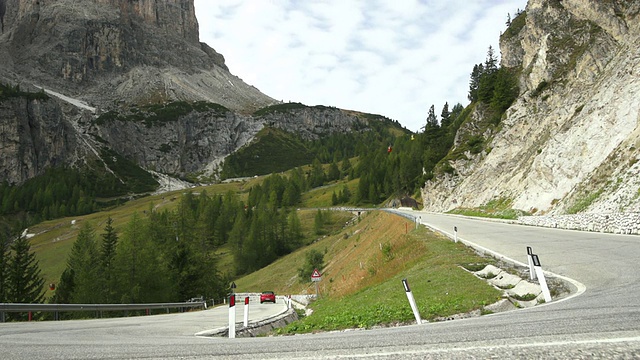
(98, 308)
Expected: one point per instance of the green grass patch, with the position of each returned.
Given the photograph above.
(440, 286)
(583, 203)
(498, 208)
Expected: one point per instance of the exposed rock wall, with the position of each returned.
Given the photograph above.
(313, 121)
(575, 125)
(142, 51)
(33, 137)
(189, 145)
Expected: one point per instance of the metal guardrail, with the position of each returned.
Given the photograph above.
(57, 308)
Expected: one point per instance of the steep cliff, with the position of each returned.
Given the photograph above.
(34, 136)
(570, 141)
(142, 51)
(103, 56)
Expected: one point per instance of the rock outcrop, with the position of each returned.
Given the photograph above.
(110, 52)
(570, 141)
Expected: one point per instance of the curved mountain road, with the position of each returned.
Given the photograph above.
(601, 322)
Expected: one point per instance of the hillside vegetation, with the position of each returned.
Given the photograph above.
(363, 268)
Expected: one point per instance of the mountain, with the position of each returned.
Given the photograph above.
(570, 142)
(104, 82)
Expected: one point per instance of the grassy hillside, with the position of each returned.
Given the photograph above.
(53, 239)
(364, 265)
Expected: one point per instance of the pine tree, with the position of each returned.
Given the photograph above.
(24, 283)
(491, 63)
(445, 116)
(474, 82)
(107, 256)
(432, 120)
(83, 263)
(4, 259)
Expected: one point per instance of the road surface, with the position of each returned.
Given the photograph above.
(602, 322)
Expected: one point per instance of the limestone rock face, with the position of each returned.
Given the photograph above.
(118, 51)
(34, 136)
(570, 142)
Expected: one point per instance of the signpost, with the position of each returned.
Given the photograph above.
(316, 277)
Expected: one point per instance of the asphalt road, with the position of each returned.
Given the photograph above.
(603, 321)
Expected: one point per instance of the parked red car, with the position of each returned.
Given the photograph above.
(267, 296)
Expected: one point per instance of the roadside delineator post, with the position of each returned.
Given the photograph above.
(532, 271)
(455, 234)
(246, 311)
(232, 316)
(541, 279)
(412, 301)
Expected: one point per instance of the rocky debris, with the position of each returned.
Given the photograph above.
(617, 223)
(517, 292)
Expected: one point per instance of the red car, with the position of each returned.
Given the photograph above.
(267, 296)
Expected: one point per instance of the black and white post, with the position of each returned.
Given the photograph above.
(532, 271)
(412, 301)
(455, 234)
(541, 279)
(232, 316)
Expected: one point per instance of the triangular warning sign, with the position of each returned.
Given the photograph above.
(316, 273)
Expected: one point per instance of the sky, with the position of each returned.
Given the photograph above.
(390, 57)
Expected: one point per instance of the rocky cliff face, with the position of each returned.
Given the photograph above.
(102, 55)
(143, 51)
(34, 136)
(571, 140)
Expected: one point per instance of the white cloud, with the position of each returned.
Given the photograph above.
(394, 58)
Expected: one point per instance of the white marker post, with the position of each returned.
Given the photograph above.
(412, 301)
(246, 311)
(532, 271)
(455, 234)
(541, 279)
(232, 316)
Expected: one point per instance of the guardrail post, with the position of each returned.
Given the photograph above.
(232, 316)
(541, 279)
(412, 301)
(532, 271)
(2, 319)
(246, 311)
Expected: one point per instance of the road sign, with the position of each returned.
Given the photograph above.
(315, 276)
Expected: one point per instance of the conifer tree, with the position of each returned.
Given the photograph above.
(432, 120)
(24, 283)
(445, 119)
(4, 259)
(83, 264)
(107, 256)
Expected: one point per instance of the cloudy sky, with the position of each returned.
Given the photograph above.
(390, 57)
